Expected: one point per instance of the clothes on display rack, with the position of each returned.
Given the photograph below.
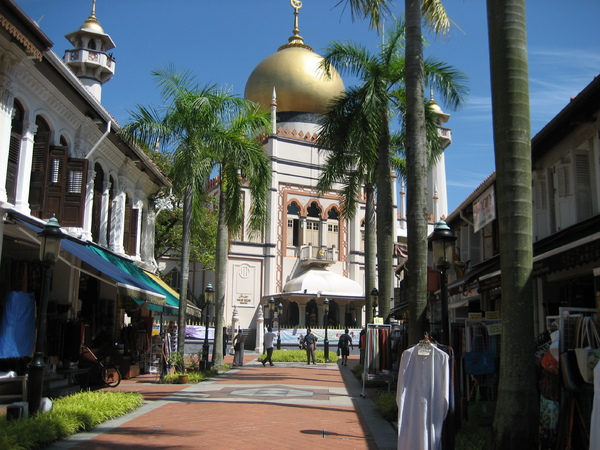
(379, 351)
(423, 396)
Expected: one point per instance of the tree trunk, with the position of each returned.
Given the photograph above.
(188, 200)
(385, 223)
(220, 281)
(516, 421)
(416, 179)
(370, 250)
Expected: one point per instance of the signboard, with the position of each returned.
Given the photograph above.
(484, 209)
(492, 314)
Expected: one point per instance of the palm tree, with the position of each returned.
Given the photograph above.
(357, 129)
(203, 126)
(242, 165)
(515, 424)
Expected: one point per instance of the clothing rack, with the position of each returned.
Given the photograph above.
(378, 348)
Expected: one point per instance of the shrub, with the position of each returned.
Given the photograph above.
(387, 407)
(71, 414)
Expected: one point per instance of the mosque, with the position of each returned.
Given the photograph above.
(309, 255)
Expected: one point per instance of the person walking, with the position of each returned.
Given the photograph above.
(343, 346)
(310, 340)
(238, 348)
(268, 343)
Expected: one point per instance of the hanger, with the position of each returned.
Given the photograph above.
(424, 346)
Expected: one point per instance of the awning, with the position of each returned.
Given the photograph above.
(129, 283)
(138, 273)
(191, 309)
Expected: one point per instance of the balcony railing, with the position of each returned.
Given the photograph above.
(313, 254)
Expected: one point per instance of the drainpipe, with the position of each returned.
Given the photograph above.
(108, 124)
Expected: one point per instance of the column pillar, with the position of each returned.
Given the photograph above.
(6, 115)
(24, 171)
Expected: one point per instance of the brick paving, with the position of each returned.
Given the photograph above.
(288, 406)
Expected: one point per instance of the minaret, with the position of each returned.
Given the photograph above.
(88, 59)
(438, 202)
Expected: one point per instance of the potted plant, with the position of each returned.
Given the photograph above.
(177, 360)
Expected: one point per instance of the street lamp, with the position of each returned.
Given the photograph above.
(442, 244)
(209, 293)
(50, 238)
(374, 301)
(279, 313)
(271, 310)
(326, 341)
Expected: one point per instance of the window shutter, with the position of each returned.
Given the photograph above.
(74, 192)
(37, 188)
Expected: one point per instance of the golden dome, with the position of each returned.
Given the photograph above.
(92, 24)
(300, 84)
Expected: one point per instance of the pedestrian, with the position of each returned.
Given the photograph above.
(301, 344)
(343, 347)
(238, 347)
(362, 339)
(268, 344)
(310, 341)
(225, 341)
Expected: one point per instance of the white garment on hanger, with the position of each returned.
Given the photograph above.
(423, 398)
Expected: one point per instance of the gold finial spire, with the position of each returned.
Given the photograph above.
(296, 40)
(93, 9)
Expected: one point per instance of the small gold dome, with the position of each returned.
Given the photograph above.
(300, 84)
(92, 24)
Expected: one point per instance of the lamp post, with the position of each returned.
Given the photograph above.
(374, 300)
(209, 293)
(442, 244)
(271, 310)
(50, 238)
(326, 341)
(279, 313)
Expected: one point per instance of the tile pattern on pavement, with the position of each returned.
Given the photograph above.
(288, 405)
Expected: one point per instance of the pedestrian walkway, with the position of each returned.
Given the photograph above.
(288, 406)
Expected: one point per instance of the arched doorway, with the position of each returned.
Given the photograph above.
(312, 314)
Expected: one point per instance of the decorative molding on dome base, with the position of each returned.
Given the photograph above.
(297, 135)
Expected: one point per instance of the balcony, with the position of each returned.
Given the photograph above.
(318, 255)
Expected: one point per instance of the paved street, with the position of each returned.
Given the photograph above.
(289, 405)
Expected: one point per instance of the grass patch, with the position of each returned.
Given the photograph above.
(193, 377)
(69, 415)
(300, 356)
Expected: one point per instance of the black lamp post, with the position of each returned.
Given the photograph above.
(374, 301)
(209, 293)
(326, 341)
(51, 236)
(442, 244)
(279, 313)
(272, 310)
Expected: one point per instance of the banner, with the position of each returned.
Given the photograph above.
(484, 209)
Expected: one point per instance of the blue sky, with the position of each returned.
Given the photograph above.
(222, 41)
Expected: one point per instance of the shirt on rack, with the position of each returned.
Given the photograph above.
(422, 396)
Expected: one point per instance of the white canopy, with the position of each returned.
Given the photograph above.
(325, 283)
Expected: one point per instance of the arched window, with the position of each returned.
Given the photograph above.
(41, 148)
(16, 137)
(313, 224)
(293, 225)
(333, 227)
